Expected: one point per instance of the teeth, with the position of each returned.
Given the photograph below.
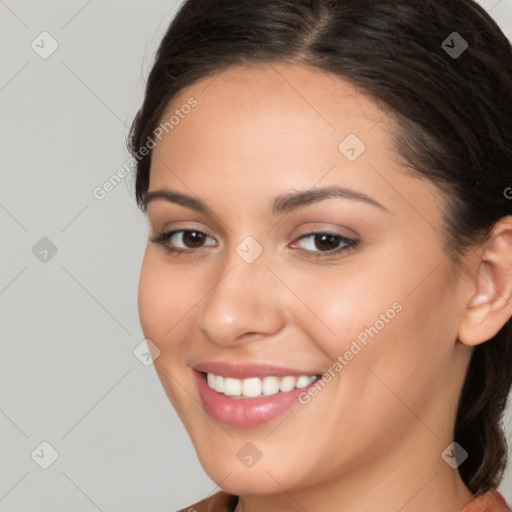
(303, 381)
(219, 383)
(270, 386)
(232, 387)
(287, 383)
(251, 387)
(254, 386)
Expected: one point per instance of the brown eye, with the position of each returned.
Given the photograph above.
(181, 240)
(193, 239)
(325, 244)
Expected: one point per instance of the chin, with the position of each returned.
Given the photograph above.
(264, 477)
(246, 482)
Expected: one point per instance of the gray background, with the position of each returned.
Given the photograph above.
(69, 322)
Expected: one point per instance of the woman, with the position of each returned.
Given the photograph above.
(327, 284)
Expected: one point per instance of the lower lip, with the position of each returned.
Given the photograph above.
(246, 412)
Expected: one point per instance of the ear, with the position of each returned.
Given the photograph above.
(490, 305)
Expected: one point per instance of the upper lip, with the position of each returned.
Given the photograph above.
(245, 371)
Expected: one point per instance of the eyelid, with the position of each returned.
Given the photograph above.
(180, 226)
(331, 228)
(328, 228)
(164, 215)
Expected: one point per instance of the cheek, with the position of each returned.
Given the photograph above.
(151, 302)
(346, 304)
(164, 297)
(400, 318)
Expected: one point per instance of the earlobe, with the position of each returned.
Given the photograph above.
(490, 305)
(479, 299)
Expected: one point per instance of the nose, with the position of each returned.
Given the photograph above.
(244, 302)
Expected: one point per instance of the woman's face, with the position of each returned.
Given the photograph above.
(308, 251)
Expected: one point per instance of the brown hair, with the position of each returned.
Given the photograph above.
(454, 114)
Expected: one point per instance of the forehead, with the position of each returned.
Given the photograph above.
(279, 115)
(293, 88)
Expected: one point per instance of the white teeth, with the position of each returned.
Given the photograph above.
(251, 387)
(219, 383)
(232, 386)
(287, 383)
(254, 386)
(304, 381)
(270, 386)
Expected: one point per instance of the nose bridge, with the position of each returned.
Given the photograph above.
(241, 299)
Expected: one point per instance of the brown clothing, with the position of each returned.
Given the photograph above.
(491, 501)
(220, 502)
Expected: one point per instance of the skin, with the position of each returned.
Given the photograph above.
(372, 438)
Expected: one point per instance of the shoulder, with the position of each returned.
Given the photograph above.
(220, 502)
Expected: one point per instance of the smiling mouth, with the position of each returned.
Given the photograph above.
(254, 387)
(262, 394)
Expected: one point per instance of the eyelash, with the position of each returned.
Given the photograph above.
(349, 243)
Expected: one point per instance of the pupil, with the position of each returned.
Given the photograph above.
(193, 238)
(327, 242)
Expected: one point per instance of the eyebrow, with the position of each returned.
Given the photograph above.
(282, 204)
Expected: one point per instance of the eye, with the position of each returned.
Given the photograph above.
(325, 244)
(182, 240)
(190, 240)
